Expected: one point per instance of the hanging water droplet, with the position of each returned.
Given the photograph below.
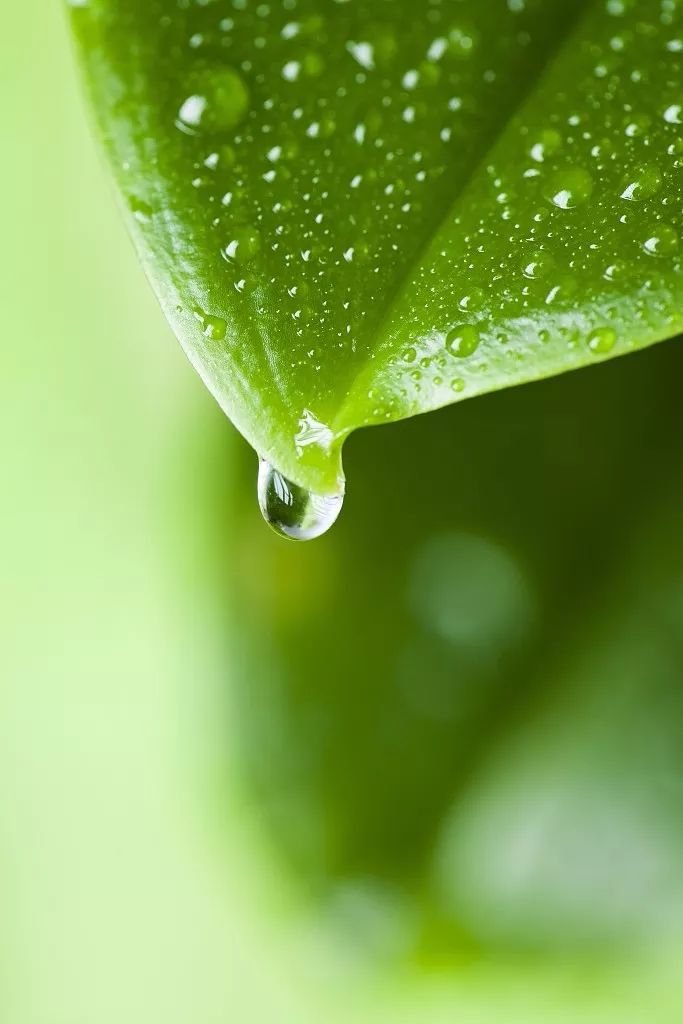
(292, 511)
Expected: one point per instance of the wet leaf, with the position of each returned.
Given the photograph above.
(355, 212)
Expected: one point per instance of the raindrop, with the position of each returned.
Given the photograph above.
(214, 327)
(602, 340)
(474, 299)
(662, 240)
(291, 510)
(141, 210)
(219, 102)
(613, 272)
(462, 41)
(547, 144)
(463, 340)
(637, 127)
(570, 187)
(537, 264)
(244, 245)
(642, 184)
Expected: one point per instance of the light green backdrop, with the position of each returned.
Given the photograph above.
(134, 885)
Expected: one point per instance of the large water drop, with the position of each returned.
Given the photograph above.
(292, 511)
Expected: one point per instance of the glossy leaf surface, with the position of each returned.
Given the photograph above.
(355, 212)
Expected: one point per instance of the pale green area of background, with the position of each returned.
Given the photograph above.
(124, 896)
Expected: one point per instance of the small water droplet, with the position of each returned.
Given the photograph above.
(244, 245)
(382, 39)
(537, 264)
(462, 41)
(219, 102)
(602, 340)
(644, 183)
(637, 127)
(141, 210)
(613, 272)
(569, 188)
(548, 143)
(292, 511)
(463, 341)
(603, 150)
(474, 299)
(662, 241)
(214, 327)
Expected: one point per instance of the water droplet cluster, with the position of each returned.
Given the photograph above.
(569, 234)
(407, 200)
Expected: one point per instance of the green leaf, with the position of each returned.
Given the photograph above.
(353, 212)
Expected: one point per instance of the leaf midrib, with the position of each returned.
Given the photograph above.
(341, 426)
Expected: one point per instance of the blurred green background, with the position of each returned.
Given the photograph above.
(429, 768)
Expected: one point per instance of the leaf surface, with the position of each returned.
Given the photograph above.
(353, 212)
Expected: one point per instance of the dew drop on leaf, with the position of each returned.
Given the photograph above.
(644, 183)
(537, 264)
(292, 511)
(214, 327)
(570, 187)
(218, 103)
(462, 41)
(548, 143)
(662, 240)
(613, 272)
(602, 340)
(141, 210)
(474, 299)
(463, 341)
(243, 246)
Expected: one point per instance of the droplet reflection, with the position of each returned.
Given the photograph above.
(292, 511)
